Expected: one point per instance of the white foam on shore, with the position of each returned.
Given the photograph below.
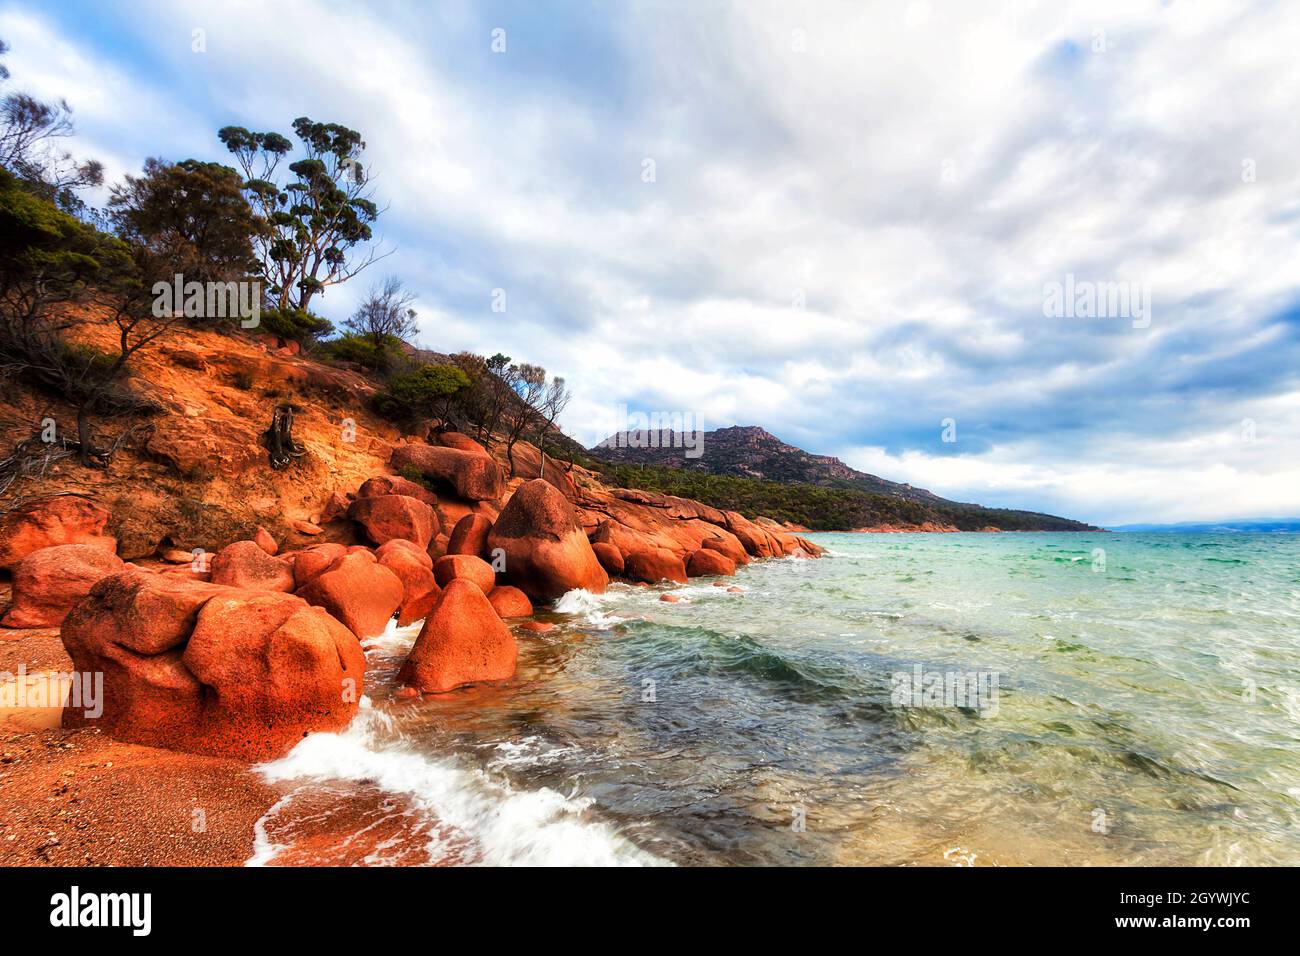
(588, 608)
(395, 639)
(506, 827)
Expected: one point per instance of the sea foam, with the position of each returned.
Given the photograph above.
(505, 827)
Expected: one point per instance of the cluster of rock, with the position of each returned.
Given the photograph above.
(244, 653)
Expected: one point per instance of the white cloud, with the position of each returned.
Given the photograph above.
(917, 172)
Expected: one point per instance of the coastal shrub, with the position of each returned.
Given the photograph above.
(429, 390)
(297, 325)
(364, 351)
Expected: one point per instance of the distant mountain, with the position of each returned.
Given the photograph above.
(746, 451)
(1242, 526)
(751, 466)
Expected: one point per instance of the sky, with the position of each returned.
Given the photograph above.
(849, 223)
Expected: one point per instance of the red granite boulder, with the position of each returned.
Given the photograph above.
(381, 485)
(463, 641)
(419, 588)
(245, 564)
(61, 519)
(706, 562)
(470, 536)
(312, 560)
(210, 669)
(510, 602)
(474, 476)
(546, 552)
(451, 566)
(610, 558)
(264, 541)
(386, 517)
(358, 591)
(654, 564)
(46, 583)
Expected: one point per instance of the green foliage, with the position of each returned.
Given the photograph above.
(411, 473)
(40, 243)
(315, 217)
(821, 508)
(363, 351)
(192, 215)
(299, 325)
(429, 390)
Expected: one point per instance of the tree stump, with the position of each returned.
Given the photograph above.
(279, 440)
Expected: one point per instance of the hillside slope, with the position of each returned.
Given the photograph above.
(748, 469)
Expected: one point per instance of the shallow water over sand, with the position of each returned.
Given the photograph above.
(1147, 711)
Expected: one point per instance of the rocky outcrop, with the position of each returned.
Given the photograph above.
(210, 669)
(48, 582)
(546, 554)
(653, 565)
(396, 485)
(610, 558)
(474, 476)
(62, 519)
(706, 562)
(358, 591)
(386, 517)
(729, 546)
(199, 446)
(463, 641)
(245, 564)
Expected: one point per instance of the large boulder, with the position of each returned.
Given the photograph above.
(463, 641)
(754, 538)
(729, 545)
(452, 566)
(358, 591)
(474, 476)
(706, 562)
(210, 669)
(62, 519)
(654, 564)
(610, 558)
(386, 517)
(419, 588)
(546, 552)
(470, 536)
(48, 582)
(311, 561)
(461, 441)
(401, 544)
(396, 485)
(245, 564)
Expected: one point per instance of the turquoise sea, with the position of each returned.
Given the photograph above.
(1131, 699)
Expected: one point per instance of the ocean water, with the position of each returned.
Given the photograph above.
(1121, 699)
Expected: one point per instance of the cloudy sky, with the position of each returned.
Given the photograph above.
(839, 221)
